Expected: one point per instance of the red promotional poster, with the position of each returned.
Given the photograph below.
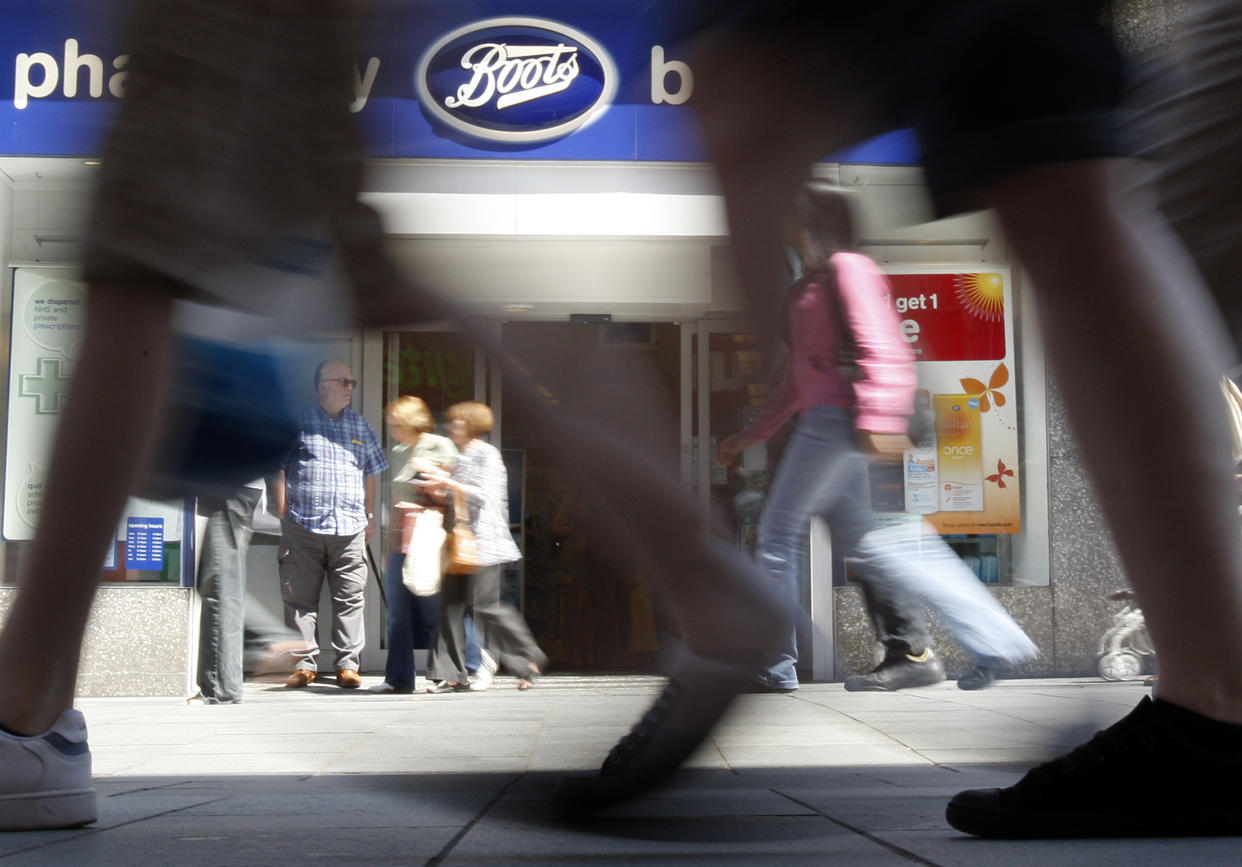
(966, 478)
(952, 317)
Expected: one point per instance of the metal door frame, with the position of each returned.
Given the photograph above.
(696, 367)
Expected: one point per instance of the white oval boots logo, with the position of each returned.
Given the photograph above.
(516, 80)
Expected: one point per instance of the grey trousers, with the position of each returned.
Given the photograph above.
(504, 633)
(222, 586)
(305, 559)
(233, 629)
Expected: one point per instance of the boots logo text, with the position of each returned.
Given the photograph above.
(515, 80)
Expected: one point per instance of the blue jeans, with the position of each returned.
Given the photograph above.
(915, 555)
(411, 621)
(823, 473)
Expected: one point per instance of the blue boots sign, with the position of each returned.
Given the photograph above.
(515, 80)
(607, 80)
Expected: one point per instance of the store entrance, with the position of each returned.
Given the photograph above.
(590, 609)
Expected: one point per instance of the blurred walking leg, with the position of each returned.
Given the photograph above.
(122, 380)
(1105, 263)
(1127, 326)
(222, 587)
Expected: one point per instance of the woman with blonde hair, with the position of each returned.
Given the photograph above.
(479, 479)
(409, 616)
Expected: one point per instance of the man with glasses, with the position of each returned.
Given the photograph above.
(325, 496)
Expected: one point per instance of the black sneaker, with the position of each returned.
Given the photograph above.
(979, 677)
(1149, 775)
(900, 671)
(681, 718)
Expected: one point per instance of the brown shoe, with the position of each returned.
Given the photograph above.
(347, 678)
(300, 678)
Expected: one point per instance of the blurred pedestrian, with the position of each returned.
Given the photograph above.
(412, 610)
(850, 379)
(479, 483)
(1014, 104)
(1175, 756)
(200, 199)
(234, 631)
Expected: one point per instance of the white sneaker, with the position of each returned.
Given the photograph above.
(45, 780)
(485, 675)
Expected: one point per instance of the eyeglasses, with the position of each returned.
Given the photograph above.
(345, 383)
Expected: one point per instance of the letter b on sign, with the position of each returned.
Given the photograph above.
(660, 71)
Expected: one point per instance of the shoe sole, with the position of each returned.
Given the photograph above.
(576, 797)
(47, 810)
(972, 686)
(1125, 822)
(878, 687)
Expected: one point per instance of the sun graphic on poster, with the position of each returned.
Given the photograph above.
(983, 295)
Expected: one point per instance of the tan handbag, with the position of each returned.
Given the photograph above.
(463, 548)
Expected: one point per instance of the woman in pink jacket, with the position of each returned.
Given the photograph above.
(850, 377)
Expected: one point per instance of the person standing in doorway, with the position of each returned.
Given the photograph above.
(325, 497)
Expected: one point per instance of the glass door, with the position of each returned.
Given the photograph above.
(730, 379)
(440, 366)
(588, 609)
(729, 384)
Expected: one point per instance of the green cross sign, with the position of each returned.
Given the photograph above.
(47, 387)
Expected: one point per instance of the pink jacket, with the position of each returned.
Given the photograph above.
(883, 396)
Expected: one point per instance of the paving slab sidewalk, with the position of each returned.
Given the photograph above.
(324, 775)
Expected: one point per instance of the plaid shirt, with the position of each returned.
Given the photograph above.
(325, 472)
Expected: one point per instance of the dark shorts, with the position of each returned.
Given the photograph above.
(232, 150)
(989, 86)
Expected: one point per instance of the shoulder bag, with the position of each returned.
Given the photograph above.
(463, 548)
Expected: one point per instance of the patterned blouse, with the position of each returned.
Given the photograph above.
(481, 473)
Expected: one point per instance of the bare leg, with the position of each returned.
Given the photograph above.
(101, 445)
(1129, 328)
(754, 102)
(1127, 322)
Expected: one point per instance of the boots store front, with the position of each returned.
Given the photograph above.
(539, 163)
